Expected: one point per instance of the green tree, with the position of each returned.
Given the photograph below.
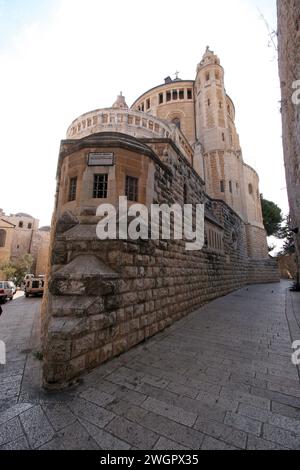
(285, 233)
(9, 270)
(15, 271)
(272, 217)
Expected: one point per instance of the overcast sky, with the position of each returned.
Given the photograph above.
(61, 58)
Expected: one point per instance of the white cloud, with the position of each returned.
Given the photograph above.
(84, 53)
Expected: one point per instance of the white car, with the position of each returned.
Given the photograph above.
(35, 286)
(5, 291)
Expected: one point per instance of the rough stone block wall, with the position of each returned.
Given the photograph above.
(107, 296)
(289, 69)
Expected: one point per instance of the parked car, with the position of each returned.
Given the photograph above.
(34, 286)
(5, 291)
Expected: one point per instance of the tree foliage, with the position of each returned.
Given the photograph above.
(15, 271)
(285, 233)
(272, 217)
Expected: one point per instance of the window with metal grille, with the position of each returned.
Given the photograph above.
(131, 189)
(100, 186)
(73, 189)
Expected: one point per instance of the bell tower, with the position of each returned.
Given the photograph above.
(211, 103)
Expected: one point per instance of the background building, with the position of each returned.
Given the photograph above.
(20, 235)
(289, 70)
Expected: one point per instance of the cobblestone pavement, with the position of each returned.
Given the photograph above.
(222, 378)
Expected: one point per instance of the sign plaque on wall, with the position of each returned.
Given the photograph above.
(101, 159)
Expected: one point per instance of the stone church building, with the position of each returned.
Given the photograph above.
(176, 144)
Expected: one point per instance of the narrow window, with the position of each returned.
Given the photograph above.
(222, 186)
(30, 226)
(21, 224)
(250, 187)
(72, 189)
(143, 107)
(189, 94)
(168, 96)
(208, 102)
(223, 136)
(185, 194)
(148, 104)
(181, 94)
(175, 95)
(2, 238)
(131, 189)
(230, 186)
(161, 98)
(207, 77)
(220, 105)
(217, 75)
(100, 186)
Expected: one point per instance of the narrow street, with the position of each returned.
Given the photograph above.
(222, 378)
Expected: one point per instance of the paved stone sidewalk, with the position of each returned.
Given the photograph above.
(222, 378)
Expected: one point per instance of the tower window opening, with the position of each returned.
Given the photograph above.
(29, 226)
(175, 95)
(250, 188)
(161, 98)
(2, 238)
(220, 105)
(72, 189)
(148, 104)
(21, 224)
(131, 188)
(143, 107)
(181, 94)
(217, 75)
(208, 102)
(230, 186)
(100, 186)
(223, 136)
(168, 96)
(185, 194)
(207, 76)
(222, 186)
(189, 94)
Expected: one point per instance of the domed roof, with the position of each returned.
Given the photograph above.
(45, 229)
(22, 214)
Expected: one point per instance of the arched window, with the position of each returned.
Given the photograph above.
(177, 122)
(2, 238)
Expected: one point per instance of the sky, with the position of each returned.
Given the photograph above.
(61, 58)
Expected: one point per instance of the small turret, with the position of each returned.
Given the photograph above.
(120, 103)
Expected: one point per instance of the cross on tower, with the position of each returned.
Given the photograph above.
(176, 74)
